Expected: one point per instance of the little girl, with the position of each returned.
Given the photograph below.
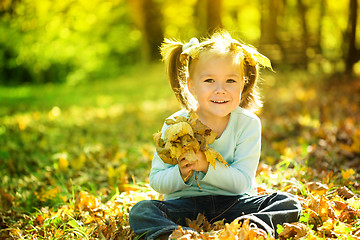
(217, 79)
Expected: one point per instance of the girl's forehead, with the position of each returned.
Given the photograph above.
(210, 55)
(206, 57)
(209, 60)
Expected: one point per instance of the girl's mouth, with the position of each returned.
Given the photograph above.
(219, 101)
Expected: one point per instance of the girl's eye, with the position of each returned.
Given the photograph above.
(230, 81)
(210, 80)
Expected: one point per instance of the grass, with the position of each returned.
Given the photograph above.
(59, 141)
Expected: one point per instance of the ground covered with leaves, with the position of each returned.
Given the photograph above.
(75, 159)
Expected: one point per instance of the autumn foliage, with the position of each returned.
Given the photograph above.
(184, 138)
(64, 175)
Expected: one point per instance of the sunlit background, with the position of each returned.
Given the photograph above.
(83, 90)
(75, 41)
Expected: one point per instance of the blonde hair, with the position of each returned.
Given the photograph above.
(178, 58)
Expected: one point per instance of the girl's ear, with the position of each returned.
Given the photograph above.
(190, 86)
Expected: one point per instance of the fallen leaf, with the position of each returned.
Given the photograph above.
(85, 202)
(345, 193)
(346, 174)
(182, 234)
(295, 230)
(317, 188)
(199, 224)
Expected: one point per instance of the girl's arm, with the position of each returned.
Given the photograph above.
(165, 178)
(240, 176)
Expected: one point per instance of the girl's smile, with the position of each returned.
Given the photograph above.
(216, 82)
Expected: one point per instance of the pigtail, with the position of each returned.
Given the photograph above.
(171, 51)
(250, 98)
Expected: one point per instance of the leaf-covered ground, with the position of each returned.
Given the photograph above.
(75, 159)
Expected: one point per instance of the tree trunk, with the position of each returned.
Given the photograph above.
(208, 15)
(269, 24)
(319, 32)
(214, 15)
(147, 17)
(305, 35)
(351, 55)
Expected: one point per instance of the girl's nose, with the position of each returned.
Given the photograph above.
(220, 88)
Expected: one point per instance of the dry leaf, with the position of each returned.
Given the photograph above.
(199, 224)
(183, 234)
(184, 138)
(86, 202)
(345, 192)
(317, 188)
(293, 230)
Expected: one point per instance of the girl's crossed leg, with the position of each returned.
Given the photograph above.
(153, 218)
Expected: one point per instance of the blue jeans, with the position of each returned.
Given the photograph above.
(152, 218)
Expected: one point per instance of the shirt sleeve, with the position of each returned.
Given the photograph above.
(165, 178)
(240, 176)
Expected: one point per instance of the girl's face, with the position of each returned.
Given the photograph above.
(216, 82)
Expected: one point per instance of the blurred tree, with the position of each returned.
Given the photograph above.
(321, 15)
(73, 41)
(304, 33)
(270, 43)
(352, 54)
(8, 6)
(269, 21)
(147, 17)
(65, 41)
(208, 15)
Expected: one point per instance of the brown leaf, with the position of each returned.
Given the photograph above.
(183, 234)
(356, 233)
(199, 224)
(345, 192)
(321, 207)
(317, 188)
(293, 230)
(6, 199)
(348, 215)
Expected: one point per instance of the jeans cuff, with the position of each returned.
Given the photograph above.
(259, 223)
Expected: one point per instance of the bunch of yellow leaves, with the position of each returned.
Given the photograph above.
(184, 138)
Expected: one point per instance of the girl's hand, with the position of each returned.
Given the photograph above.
(202, 165)
(187, 169)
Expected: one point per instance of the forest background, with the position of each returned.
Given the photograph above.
(83, 90)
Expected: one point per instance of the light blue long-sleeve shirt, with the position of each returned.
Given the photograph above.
(239, 145)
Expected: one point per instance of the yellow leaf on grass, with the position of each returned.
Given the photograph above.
(346, 174)
(355, 146)
(63, 163)
(78, 163)
(354, 203)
